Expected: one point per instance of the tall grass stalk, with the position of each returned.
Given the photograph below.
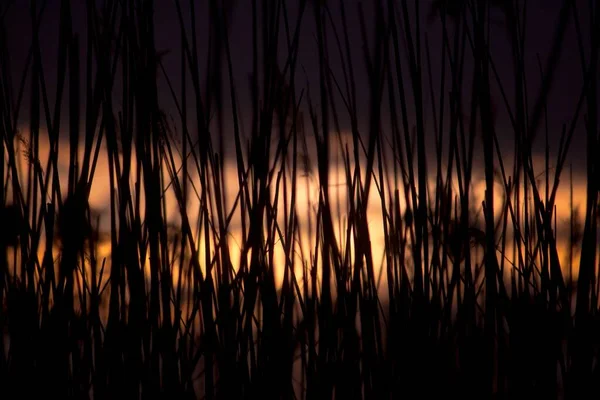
(302, 239)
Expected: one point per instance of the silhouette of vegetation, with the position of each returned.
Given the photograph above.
(230, 285)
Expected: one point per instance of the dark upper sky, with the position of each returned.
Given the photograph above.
(542, 17)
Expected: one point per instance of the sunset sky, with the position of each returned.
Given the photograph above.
(542, 17)
(541, 23)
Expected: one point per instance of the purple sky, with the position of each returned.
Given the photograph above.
(542, 17)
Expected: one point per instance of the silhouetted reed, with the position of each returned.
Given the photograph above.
(323, 242)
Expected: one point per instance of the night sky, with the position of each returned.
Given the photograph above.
(542, 17)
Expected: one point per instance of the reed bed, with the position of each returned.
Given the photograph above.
(298, 239)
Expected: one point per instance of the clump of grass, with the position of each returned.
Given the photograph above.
(323, 243)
